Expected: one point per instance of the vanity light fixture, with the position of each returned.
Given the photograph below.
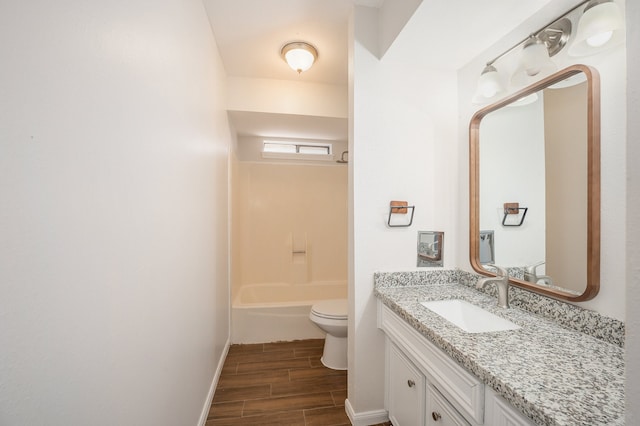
(534, 55)
(601, 24)
(489, 83)
(299, 55)
(535, 59)
(537, 50)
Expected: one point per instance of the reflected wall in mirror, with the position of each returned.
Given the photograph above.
(540, 148)
(430, 248)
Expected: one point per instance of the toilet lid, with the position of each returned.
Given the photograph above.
(334, 308)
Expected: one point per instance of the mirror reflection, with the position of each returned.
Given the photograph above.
(534, 186)
(430, 248)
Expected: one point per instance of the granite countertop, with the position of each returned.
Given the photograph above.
(553, 375)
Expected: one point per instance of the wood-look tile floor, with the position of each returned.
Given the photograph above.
(280, 383)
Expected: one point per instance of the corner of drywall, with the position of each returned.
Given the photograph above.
(393, 16)
(632, 352)
(214, 384)
(365, 28)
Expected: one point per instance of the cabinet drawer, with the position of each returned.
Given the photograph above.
(440, 412)
(458, 386)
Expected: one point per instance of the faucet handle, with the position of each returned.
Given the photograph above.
(532, 268)
(500, 271)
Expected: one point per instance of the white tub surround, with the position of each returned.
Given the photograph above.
(276, 312)
(551, 374)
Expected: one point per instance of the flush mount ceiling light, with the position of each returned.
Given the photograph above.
(299, 55)
(601, 24)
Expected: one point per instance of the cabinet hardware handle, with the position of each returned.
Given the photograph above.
(436, 416)
(411, 383)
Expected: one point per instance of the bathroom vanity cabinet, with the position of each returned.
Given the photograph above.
(424, 386)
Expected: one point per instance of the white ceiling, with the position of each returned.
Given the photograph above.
(250, 34)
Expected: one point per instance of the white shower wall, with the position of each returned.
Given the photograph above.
(289, 223)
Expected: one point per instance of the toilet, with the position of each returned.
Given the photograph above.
(331, 316)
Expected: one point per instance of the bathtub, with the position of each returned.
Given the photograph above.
(262, 313)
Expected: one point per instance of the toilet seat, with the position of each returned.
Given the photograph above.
(335, 309)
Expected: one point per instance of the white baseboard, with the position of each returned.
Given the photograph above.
(366, 418)
(214, 384)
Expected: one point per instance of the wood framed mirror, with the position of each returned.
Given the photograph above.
(539, 149)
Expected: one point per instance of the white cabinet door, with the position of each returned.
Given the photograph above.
(461, 388)
(440, 412)
(405, 390)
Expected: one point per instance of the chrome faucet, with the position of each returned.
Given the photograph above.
(501, 281)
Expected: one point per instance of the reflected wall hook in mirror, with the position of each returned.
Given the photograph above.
(513, 209)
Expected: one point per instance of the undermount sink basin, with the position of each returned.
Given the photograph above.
(469, 317)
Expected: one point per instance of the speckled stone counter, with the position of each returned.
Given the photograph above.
(552, 374)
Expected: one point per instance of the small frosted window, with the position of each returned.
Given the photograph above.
(279, 147)
(306, 148)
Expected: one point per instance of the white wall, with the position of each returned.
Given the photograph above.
(633, 218)
(286, 97)
(403, 115)
(113, 181)
(611, 65)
